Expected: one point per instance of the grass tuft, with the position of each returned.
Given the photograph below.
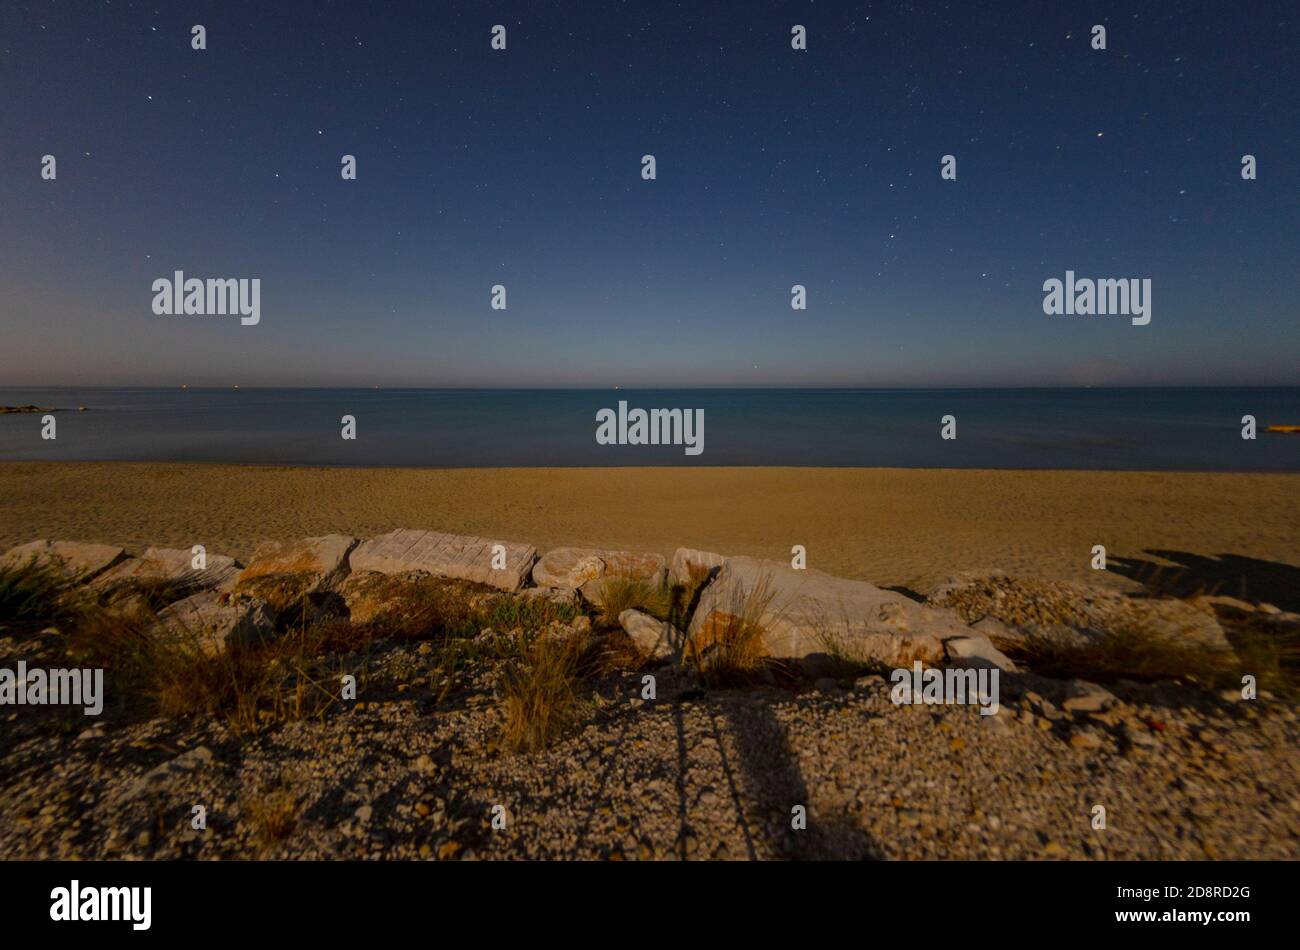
(730, 649)
(539, 686)
(620, 592)
(31, 595)
(272, 813)
(1133, 654)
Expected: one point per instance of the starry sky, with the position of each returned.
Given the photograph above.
(523, 168)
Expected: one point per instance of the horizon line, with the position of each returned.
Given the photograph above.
(652, 387)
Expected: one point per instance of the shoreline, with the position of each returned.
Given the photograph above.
(891, 526)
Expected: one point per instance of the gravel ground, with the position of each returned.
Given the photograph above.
(1181, 773)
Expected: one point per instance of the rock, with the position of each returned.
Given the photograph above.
(567, 568)
(1138, 734)
(1058, 636)
(298, 578)
(962, 580)
(1211, 603)
(1085, 697)
(999, 633)
(690, 567)
(1164, 617)
(1085, 739)
(160, 565)
(815, 666)
(157, 779)
(1069, 614)
(1050, 712)
(78, 562)
(325, 558)
(658, 639)
(587, 569)
(554, 595)
(445, 555)
(216, 621)
(805, 612)
(977, 653)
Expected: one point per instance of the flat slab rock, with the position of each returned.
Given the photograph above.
(445, 555)
(324, 557)
(77, 561)
(585, 569)
(806, 613)
(217, 621)
(171, 564)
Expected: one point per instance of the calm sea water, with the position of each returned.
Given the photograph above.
(1025, 428)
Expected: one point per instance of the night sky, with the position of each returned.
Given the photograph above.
(523, 168)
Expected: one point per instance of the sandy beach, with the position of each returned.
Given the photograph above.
(894, 527)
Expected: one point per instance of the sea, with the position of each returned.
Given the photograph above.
(1121, 429)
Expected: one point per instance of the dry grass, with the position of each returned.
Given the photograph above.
(298, 674)
(32, 595)
(539, 686)
(1125, 654)
(251, 687)
(620, 592)
(304, 564)
(153, 593)
(272, 813)
(1265, 649)
(730, 649)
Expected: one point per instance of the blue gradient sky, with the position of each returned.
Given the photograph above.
(523, 168)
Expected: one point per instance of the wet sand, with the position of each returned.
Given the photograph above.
(894, 527)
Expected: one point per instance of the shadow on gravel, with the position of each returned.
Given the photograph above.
(1234, 575)
(773, 784)
(600, 790)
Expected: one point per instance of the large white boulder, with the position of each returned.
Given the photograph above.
(689, 565)
(806, 612)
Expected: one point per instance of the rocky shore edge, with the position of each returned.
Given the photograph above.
(707, 765)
